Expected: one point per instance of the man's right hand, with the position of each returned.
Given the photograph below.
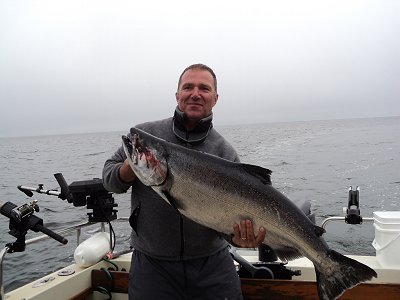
(126, 173)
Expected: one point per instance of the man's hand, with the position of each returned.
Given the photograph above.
(243, 235)
(126, 173)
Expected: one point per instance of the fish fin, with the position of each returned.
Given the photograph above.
(261, 173)
(344, 274)
(287, 253)
(319, 231)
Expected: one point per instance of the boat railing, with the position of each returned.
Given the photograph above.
(78, 228)
(334, 219)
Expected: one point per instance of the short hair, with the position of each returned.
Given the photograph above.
(199, 67)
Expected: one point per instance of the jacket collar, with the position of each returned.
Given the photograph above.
(195, 136)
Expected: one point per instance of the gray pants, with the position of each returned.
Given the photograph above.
(212, 277)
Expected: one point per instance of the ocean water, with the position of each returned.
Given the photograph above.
(315, 160)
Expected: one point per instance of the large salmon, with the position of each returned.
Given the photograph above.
(218, 193)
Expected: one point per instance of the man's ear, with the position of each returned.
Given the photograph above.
(216, 99)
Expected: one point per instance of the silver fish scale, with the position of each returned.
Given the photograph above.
(223, 194)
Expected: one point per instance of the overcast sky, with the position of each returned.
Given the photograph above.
(70, 66)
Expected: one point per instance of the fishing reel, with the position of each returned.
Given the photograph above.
(80, 193)
(22, 219)
(24, 211)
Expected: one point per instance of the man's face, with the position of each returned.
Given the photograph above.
(196, 95)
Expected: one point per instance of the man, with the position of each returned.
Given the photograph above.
(174, 257)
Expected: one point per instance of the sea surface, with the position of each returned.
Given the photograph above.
(314, 160)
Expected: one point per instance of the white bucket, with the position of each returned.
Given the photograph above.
(92, 250)
(387, 238)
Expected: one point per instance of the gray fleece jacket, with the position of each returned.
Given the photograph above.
(158, 229)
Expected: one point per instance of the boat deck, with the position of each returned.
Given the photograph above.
(79, 285)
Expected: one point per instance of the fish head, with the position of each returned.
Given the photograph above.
(146, 157)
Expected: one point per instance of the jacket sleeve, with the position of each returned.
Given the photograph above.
(111, 179)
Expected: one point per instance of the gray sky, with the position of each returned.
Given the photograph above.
(71, 66)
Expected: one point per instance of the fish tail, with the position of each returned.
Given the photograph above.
(343, 274)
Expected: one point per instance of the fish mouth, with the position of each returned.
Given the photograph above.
(138, 148)
(137, 145)
(133, 147)
(144, 160)
(141, 152)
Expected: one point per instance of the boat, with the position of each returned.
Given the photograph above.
(262, 275)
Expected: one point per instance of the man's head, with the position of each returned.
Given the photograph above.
(197, 92)
(200, 67)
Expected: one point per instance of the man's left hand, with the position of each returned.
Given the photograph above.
(243, 235)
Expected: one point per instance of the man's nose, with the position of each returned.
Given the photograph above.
(196, 93)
